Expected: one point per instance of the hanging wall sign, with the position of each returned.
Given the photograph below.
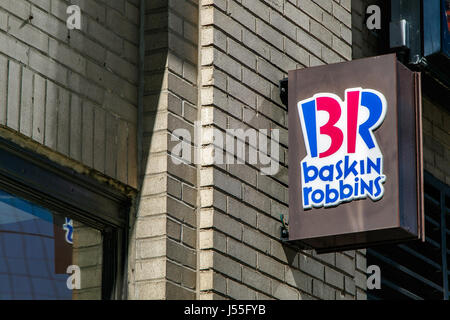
(355, 160)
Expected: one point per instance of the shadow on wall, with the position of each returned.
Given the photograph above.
(167, 53)
(370, 42)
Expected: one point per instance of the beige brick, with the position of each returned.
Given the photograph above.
(239, 292)
(334, 278)
(298, 279)
(270, 266)
(322, 290)
(151, 269)
(151, 227)
(241, 252)
(284, 292)
(238, 13)
(256, 240)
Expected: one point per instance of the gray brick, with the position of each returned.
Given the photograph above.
(297, 52)
(26, 103)
(361, 295)
(105, 36)
(282, 252)
(240, 14)
(361, 280)
(255, 44)
(67, 56)
(342, 15)
(28, 34)
(227, 266)
(111, 145)
(239, 292)
(121, 26)
(283, 292)
(256, 280)
(311, 267)
(311, 44)
(254, 81)
(361, 263)
(298, 279)
(293, 13)
(181, 254)
(48, 67)
(241, 211)
(270, 266)
(345, 263)
(99, 139)
(272, 188)
(63, 121)
(14, 84)
(3, 20)
(21, 8)
(260, 9)
(286, 27)
(49, 24)
(269, 33)
(255, 199)
(227, 24)
(237, 90)
(13, 48)
(228, 225)
(334, 278)
(350, 286)
(239, 52)
(51, 115)
(321, 33)
(322, 290)
(256, 240)
(269, 225)
(241, 252)
(38, 109)
(310, 8)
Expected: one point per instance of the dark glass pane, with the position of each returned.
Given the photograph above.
(40, 250)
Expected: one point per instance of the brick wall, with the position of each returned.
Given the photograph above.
(163, 256)
(74, 92)
(87, 254)
(247, 46)
(367, 42)
(436, 139)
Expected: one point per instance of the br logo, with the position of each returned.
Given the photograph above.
(344, 161)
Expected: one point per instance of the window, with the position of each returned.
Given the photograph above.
(417, 270)
(38, 248)
(54, 224)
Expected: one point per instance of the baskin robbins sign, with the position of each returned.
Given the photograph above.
(344, 161)
(355, 159)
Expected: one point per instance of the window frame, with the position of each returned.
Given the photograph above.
(402, 267)
(66, 192)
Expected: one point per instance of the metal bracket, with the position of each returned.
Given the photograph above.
(284, 235)
(399, 34)
(284, 91)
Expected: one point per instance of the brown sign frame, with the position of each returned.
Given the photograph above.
(398, 215)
